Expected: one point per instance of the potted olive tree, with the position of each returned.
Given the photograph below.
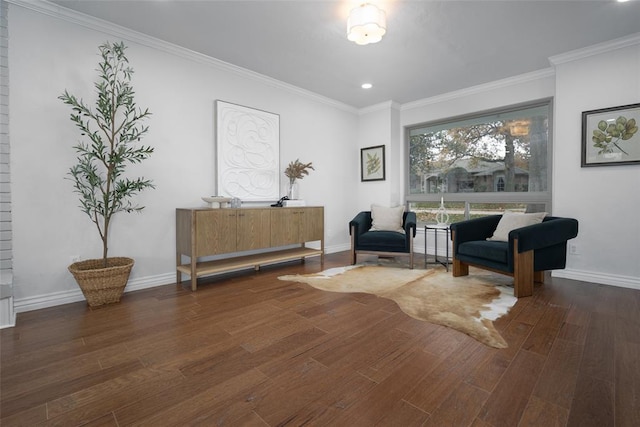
(111, 131)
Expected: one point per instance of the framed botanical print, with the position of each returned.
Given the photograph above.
(610, 136)
(372, 163)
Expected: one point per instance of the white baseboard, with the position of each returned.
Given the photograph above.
(66, 297)
(337, 248)
(600, 278)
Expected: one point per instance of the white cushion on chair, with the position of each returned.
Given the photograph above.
(512, 220)
(387, 219)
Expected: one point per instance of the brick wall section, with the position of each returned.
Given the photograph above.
(5, 173)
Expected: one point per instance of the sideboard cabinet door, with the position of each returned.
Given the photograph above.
(215, 231)
(311, 224)
(285, 226)
(254, 229)
(296, 225)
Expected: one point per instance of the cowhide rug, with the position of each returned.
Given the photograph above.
(468, 304)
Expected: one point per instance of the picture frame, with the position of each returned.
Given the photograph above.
(610, 136)
(248, 152)
(372, 163)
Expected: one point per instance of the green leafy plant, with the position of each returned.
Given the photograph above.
(608, 135)
(112, 129)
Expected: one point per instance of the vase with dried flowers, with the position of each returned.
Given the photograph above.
(296, 170)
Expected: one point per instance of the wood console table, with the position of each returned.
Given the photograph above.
(203, 232)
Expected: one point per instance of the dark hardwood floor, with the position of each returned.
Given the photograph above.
(248, 349)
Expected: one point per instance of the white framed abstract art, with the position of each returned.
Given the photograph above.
(248, 152)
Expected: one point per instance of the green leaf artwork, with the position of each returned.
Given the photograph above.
(608, 137)
(373, 163)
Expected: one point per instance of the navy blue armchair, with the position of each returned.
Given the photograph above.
(385, 243)
(529, 252)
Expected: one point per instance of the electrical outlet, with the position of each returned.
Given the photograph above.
(75, 258)
(573, 249)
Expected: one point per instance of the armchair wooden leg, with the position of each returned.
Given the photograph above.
(411, 254)
(353, 246)
(522, 272)
(459, 268)
(538, 276)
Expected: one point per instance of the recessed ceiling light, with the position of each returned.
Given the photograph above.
(366, 86)
(622, 1)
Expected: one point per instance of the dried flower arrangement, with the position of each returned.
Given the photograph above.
(297, 170)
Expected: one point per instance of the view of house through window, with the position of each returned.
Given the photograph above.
(500, 156)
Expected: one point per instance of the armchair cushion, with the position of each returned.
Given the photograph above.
(387, 219)
(383, 241)
(511, 221)
(488, 250)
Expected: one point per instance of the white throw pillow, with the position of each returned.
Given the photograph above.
(387, 219)
(511, 221)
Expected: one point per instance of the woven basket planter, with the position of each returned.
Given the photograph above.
(102, 285)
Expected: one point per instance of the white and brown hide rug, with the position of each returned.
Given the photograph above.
(468, 304)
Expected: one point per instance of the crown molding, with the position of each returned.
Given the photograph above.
(596, 49)
(485, 87)
(51, 9)
(387, 105)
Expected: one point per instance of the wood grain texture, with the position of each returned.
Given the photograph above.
(249, 349)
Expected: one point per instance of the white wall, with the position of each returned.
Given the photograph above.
(380, 125)
(606, 200)
(50, 53)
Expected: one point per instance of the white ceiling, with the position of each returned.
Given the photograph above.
(431, 47)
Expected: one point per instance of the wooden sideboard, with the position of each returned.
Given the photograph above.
(206, 232)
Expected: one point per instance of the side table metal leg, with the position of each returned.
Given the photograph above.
(425, 247)
(435, 238)
(446, 243)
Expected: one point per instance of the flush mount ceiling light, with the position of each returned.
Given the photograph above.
(366, 24)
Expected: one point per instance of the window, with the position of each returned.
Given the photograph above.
(501, 156)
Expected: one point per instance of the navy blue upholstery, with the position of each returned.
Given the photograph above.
(382, 242)
(545, 242)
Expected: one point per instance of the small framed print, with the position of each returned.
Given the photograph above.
(372, 163)
(610, 136)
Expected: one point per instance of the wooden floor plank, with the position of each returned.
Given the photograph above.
(545, 331)
(373, 406)
(249, 349)
(593, 403)
(627, 383)
(507, 403)
(465, 396)
(542, 413)
(558, 379)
